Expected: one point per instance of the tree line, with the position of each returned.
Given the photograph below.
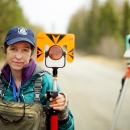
(102, 29)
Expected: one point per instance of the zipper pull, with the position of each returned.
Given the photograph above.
(16, 96)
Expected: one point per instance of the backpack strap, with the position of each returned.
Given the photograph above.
(1, 87)
(38, 87)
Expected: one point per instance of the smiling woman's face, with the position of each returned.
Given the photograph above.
(18, 55)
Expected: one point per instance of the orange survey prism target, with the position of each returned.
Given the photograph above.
(51, 39)
(55, 52)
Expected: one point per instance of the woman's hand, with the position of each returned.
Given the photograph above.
(58, 102)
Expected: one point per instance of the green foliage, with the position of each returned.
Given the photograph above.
(11, 15)
(91, 30)
(101, 22)
(76, 26)
(126, 19)
(108, 21)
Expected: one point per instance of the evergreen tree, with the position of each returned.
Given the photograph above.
(10, 15)
(76, 27)
(91, 29)
(126, 19)
(108, 21)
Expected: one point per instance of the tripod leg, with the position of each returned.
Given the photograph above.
(122, 83)
(117, 108)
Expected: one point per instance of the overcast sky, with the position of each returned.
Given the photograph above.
(52, 15)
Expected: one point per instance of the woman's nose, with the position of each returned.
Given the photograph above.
(18, 55)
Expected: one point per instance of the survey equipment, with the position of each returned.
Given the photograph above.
(54, 47)
(125, 80)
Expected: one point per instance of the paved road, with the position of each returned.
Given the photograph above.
(93, 89)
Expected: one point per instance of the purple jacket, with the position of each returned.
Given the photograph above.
(26, 72)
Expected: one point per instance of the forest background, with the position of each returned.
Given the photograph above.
(101, 30)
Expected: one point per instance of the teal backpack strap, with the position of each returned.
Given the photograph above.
(38, 87)
(1, 86)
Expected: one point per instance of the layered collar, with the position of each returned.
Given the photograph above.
(26, 72)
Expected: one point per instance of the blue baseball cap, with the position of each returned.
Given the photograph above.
(17, 34)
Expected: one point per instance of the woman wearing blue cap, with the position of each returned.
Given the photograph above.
(19, 108)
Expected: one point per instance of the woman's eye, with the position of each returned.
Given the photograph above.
(13, 48)
(25, 50)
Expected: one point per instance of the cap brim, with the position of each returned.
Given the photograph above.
(18, 39)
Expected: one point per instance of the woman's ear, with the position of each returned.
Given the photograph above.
(3, 49)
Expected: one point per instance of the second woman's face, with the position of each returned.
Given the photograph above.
(18, 55)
